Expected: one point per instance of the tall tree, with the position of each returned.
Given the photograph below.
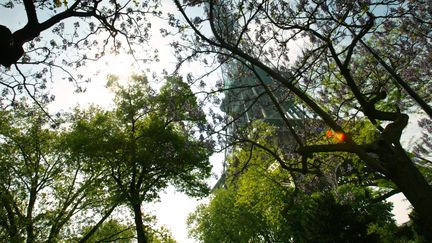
(259, 34)
(146, 143)
(43, 188)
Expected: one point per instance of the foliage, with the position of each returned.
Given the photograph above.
(114, 230)
(160, 235)
(58, 177)
(260, 203)
(361, 70)
(145, 143)
(43, 187)
(347, 215)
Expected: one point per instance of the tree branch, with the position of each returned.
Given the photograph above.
(319, 148)
(31, 13)
(385, 196)
(98, 224)
(396, 77)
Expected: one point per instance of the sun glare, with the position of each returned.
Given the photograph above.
(119, 65)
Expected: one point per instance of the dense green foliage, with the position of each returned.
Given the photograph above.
(261, 203)
(146, 143)
(76, 172)
(43, 187)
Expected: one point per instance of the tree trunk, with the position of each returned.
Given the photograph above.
(11, 50)
(139, 225)
(6, 202)
(29, 216)
(414, 186)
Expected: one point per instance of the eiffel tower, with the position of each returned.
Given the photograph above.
(246, 92)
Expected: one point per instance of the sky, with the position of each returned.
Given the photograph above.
(173, 208)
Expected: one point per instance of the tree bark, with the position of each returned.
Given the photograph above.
(29, 216)
(11, 50)
(139, 225)
(414, 186)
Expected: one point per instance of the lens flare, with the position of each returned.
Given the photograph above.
(338, 137)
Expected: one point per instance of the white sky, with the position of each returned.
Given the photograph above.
(174, 207)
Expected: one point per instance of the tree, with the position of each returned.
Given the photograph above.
(44, 190)
(260, 203)
(335, 34)
(147, 142)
